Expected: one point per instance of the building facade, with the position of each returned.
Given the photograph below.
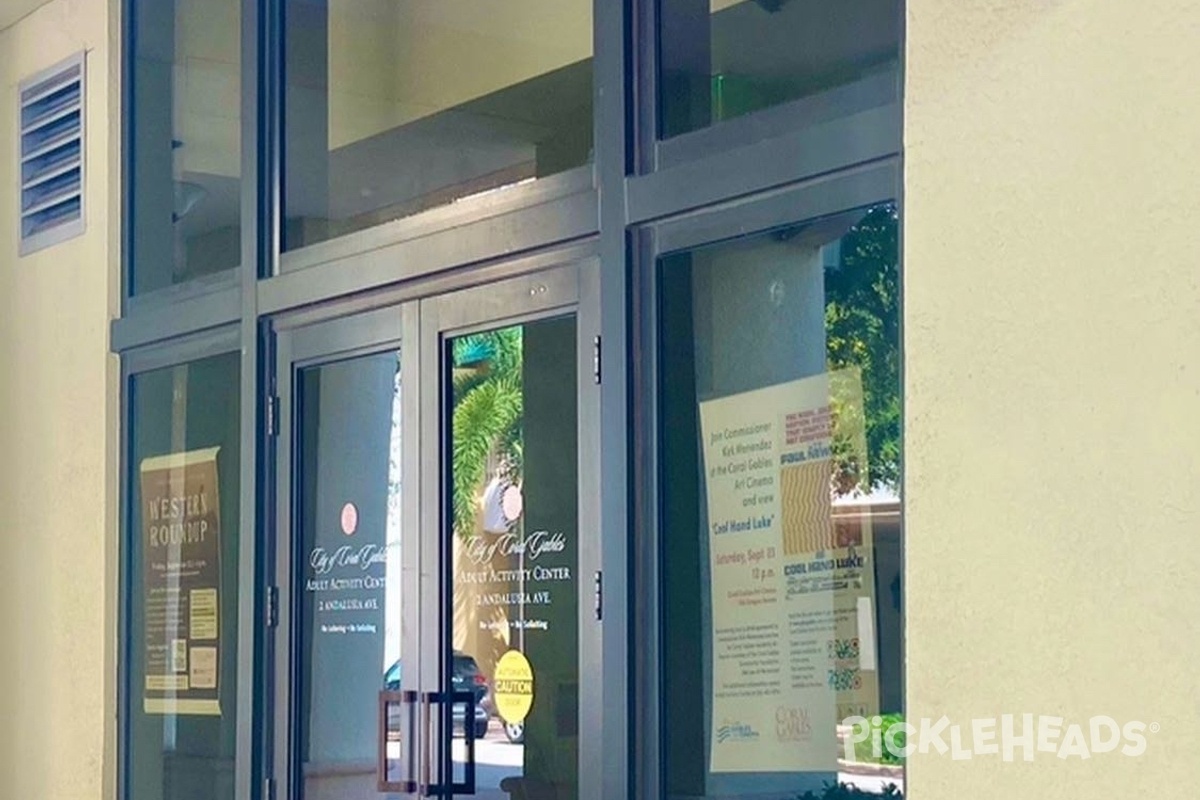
(577, 399)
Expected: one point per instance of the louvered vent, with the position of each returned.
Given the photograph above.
(51, 120)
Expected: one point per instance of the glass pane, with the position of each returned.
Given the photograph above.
(183, 579)
(841, 55)
(514, 663)
(186, 169)
(397, 106)
(348, 573)
(781, 510)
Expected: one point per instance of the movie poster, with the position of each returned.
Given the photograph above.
(793, 593)
(181, 583)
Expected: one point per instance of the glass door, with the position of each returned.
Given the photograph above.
(508, 618)
(433, 595)
(345, 596)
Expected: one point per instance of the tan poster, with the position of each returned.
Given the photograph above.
(793, 592)
(181, 546)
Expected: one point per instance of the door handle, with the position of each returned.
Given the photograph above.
(426, 786)
(467, 786)
(407, 782)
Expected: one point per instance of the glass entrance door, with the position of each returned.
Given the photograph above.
(346, 573)
(432, 618)
(505, 544)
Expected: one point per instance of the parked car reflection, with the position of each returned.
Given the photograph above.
(464, 676)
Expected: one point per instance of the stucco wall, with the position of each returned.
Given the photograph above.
(1052, 311)
(57, 415)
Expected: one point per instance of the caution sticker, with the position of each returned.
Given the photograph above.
(513, 687)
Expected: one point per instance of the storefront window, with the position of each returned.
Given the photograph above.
(721, 59)
(186, 147)
(781, 510)
(182, 545)
(396, 107)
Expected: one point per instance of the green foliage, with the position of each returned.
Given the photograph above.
(495, 353)
(847, 791)
(862, 323)
(488, 410)
(864, 751)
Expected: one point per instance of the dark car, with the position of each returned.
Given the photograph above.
(464, 676)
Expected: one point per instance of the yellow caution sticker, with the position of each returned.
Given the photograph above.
(513, 687)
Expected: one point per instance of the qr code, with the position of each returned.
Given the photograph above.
(845, 679)
(179, 655)
(842, 649)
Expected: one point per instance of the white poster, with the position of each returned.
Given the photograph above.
(793, 589)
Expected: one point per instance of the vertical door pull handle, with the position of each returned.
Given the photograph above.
(467, 786)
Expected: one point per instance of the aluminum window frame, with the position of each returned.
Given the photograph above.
(876, 182)
(637, 195)
(657, 153)
(518, 201)
(189, 349)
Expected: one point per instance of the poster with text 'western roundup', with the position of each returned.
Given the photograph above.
(793, 593)
(181, 546)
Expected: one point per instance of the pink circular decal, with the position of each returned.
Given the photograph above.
(349, 519)
(513, 503)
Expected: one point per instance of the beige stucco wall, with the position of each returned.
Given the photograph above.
(1052, 279)
(57, 475)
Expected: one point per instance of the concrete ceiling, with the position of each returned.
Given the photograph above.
(13, 10)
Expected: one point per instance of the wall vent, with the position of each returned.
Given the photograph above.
(51, 173)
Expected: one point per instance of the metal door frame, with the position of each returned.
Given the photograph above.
(572, 289)
(570, 283)
(378, 331)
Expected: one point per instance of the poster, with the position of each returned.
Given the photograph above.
(793, 593)
(181, 583)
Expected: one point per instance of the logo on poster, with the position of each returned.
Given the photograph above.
(736, 732)
(792, 724)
